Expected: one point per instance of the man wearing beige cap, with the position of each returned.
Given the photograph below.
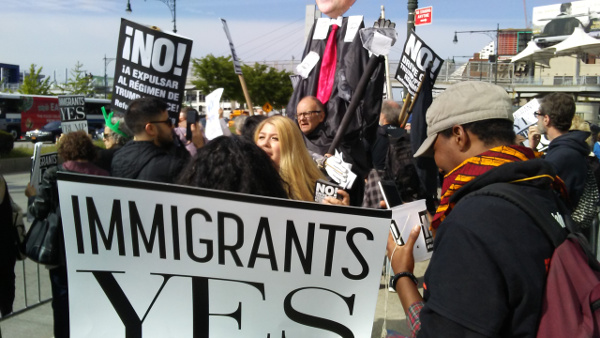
(487, 273)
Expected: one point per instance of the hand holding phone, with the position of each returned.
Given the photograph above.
(191, 118)
(390, 193)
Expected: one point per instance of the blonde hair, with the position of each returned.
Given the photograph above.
(578, 123)
(296, 166)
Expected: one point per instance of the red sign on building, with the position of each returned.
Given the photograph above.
(423, 16)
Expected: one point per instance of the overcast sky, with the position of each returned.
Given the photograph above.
(55, 34)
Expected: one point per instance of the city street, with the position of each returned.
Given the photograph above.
(37, 322)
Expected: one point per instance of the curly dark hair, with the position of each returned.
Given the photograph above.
(234, 163)
(76, 146)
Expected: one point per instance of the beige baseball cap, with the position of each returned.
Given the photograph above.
(463, 103)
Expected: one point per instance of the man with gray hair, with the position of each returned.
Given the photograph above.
(487, 273)
(388, 127)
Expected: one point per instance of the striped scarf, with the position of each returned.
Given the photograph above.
(473, 167)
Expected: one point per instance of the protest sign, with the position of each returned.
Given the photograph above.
(404, 218)
(72, 113)
(524, 118)
(150, 62)
(40, 163)
(237, 66)
(160, 260)
(415, 59)
(213, 125)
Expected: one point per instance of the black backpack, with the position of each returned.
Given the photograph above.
(401, 167)
(571, 303)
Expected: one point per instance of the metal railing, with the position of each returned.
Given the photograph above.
(31, 291)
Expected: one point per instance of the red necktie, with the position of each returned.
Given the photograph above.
(327, 71)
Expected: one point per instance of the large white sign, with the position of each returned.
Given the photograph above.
(158, 260)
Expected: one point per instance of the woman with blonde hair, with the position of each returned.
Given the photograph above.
(282, 140)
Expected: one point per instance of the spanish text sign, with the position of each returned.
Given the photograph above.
(158, 260)
(150, 62)
(415, 59)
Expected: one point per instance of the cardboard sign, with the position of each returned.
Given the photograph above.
(213, 125)
(415, 59)
(150, 63)
(72, 113)
(161, 260)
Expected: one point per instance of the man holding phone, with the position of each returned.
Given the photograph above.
(188, 116)
(487, 273)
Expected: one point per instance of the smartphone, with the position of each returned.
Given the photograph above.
(390, 193)
(191, 118)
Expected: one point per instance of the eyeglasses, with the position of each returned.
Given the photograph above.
(537, 113)
(307, 114)
(168, 122)
(105, 136)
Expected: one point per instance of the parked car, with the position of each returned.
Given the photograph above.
(50, 132)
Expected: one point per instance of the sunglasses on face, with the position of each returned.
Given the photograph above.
(168, 122)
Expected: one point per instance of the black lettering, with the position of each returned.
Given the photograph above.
(361, 259)
(200, 306)
(291, 239)
(119, 301)
(175, 229)
(330, 245)
(78, 227)
(263, 230)
(239, 231)
(116, 225)
(190, 241)
(318, 322)
(158, 226)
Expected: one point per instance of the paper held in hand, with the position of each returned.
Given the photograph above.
(404, 218)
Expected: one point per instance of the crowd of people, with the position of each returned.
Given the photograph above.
(487, 274)
(482, 245)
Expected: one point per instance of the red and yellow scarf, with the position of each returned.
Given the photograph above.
(473, 167)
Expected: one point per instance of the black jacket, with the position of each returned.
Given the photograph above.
(568, 154)
(143, 160)
(379, 149)
(488, 270)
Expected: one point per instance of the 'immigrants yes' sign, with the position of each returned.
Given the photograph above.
(161, 260)
(72, 113)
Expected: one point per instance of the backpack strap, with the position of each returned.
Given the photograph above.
(555, 233)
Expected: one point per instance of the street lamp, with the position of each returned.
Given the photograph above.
(172, 4)
(497, 31)
(106, 62)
